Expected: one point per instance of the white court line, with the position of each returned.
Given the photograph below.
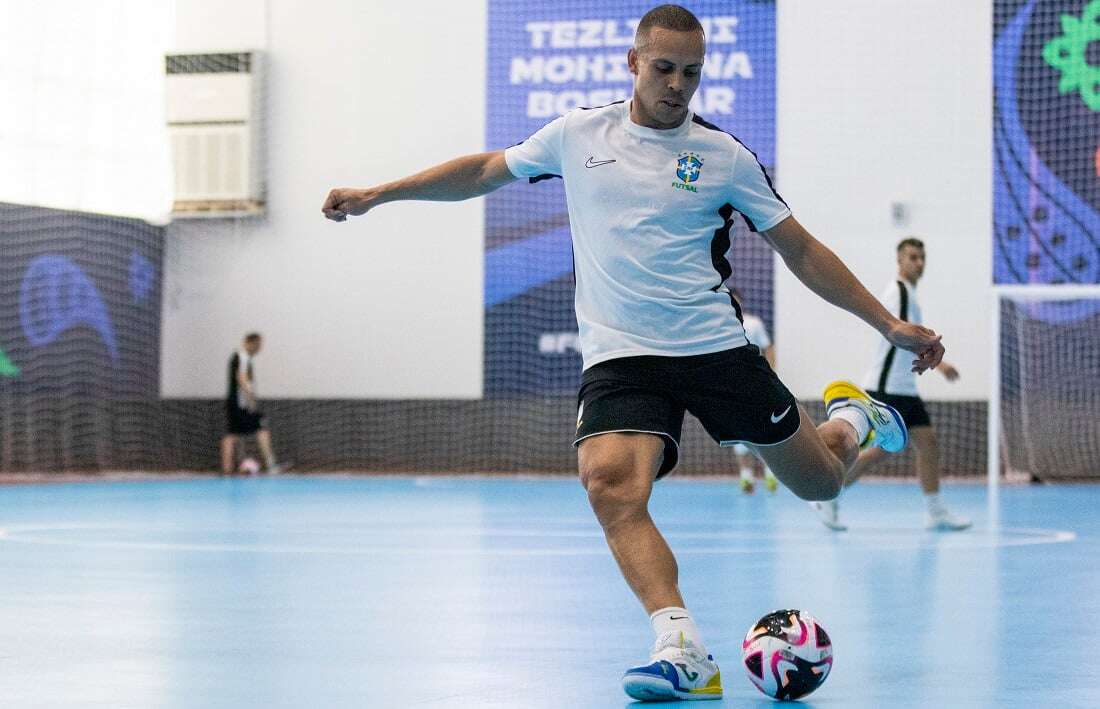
(812, 541)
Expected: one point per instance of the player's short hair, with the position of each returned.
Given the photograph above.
(669, 17)
(910, 241)
(253, 337)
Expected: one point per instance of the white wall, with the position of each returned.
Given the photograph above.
(882, 101)
(82, 111)
(879, 101)
(390, 305)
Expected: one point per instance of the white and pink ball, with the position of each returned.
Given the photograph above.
(787, 654)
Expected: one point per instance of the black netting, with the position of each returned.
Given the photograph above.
(1050, 383)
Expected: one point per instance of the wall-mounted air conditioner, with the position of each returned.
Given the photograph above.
(215, 123)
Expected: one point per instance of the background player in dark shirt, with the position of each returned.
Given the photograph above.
(243, 415)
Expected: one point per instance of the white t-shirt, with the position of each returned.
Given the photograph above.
(241, 361)
(651, 213)
(756, 332)
(892, 368)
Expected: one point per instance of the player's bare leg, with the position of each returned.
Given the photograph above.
(928, 458)
(938, 517)
(750, 466)
(263, 440)
(813, 462)
(229, 454)
(829, 510)
(617, 470)
(868, 459)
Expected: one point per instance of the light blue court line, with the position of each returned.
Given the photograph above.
(809, 541)
(382, 592)
(519, 266)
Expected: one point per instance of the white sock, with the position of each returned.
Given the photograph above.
(746, 473)
(935, 504)
(672, 619)
(854, 417)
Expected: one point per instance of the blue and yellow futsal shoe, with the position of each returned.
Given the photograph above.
(677, 670)
(888, 430)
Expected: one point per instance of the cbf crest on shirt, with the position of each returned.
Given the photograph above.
(651, 213)
(688, 167)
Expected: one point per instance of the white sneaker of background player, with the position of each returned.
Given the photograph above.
(677, 670)
(940, 519)
(829, 512)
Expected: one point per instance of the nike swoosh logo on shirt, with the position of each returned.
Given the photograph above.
(777, 419)
(596, 163)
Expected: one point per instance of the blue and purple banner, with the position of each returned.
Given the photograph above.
(1046, 142)
(546, 58)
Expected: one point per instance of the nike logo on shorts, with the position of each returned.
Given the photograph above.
(777, 419)
(596, 163)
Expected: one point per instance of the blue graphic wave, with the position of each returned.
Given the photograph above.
(57, 295)
(1043, 232)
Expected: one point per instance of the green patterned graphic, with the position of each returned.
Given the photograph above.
(1069, 54)
(7, 367)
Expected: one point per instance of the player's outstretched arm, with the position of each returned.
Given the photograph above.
(455, 180)
(821, 271)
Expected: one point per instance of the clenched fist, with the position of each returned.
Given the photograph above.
(343, 202)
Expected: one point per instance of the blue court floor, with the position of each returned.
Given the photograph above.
(458, 592)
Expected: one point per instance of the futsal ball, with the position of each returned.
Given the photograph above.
(249, 466)
(787, 654)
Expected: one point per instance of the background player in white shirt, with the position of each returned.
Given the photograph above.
(652, 192)
(752, 467)
(890, 381)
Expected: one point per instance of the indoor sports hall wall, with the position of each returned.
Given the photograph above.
(383, 307)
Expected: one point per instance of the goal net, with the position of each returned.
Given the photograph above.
(1045, 404)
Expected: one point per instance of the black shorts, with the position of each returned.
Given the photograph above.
(242, 422)
(734, 394)
(911, 408)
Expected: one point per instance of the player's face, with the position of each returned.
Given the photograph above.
(666, 67)
(252, 347)
(911, 263)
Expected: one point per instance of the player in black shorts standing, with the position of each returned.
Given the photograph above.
(653, 192)
(243, 415)
(890, 381)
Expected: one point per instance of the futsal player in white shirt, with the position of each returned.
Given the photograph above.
(653, 192)
(889, 380)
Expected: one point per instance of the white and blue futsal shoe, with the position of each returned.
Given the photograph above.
(677, 670)
(888, 430)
